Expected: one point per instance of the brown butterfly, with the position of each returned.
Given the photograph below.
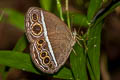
(51, 41)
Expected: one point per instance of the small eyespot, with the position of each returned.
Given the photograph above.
(43, 55)
(51, 66)
(40, 42)
(46, 60)
(36, 29)
(34, 17)
(39, 47)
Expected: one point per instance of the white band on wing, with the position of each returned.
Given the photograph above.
(46, 38)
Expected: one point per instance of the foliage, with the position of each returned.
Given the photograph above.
(87, 50)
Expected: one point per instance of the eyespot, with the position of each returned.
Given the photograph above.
(46, 60)
(34, 17)
(39, 47)
(43, 54)
(51, 66)
(36, 29)
(40, 42)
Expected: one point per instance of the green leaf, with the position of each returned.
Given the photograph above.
(90, 70)
(46, 4)
(23, 61)
(94, 6)
(64, 73)
(15, 18)
(94, 38)
(108, 12)
(79, 19)
(94, 45)
(78, 63)
(17, 60)
(21, 44)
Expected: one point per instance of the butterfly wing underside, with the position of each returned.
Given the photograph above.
(50, 39)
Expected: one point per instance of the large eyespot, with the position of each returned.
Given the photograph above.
(36, 29)
(34, 17)
(46, 60)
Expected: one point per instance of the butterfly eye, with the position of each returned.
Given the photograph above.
(36, 29)
(34, 17)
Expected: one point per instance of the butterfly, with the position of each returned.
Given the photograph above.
(50, 39)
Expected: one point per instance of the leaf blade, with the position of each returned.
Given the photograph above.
(64, 73)
(94, 49)
(12, 58)
(21, 44)
(79, 19)
(15, 18)
(78, 63)
(46, 4)
(93, 8)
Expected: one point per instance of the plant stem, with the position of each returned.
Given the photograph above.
(60, 9)
(1, 16)
(68, 16)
